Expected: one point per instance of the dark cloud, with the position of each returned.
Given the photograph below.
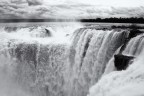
(34, 2)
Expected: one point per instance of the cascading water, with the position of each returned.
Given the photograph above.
(63, 64)
(37, 61)
(133, 48)
(124, 83)
(89, 53)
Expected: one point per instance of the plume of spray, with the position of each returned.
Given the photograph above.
(61, 32)
(8, 84)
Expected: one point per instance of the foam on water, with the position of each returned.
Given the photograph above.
(122, 83)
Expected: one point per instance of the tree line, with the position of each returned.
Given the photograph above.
(100, 20)
(116, 20)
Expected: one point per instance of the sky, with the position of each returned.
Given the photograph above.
(114, 3)
(70, 9)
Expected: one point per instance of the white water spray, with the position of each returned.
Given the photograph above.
(122, 83)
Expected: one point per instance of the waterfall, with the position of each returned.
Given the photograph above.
(36, 63)
(66, 66)
(38, 67)
(89, 53)
(133, 48)
(128, 82)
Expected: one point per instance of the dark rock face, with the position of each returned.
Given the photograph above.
(134, 33)
(48, 33)
(122, 61)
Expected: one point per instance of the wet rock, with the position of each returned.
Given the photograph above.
(134, 33)
(122, 61)
(48, 33)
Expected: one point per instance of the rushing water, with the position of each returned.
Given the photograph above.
(124, 83)
(67, 63)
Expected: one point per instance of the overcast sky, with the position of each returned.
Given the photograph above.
(114, 3)
(73, 9)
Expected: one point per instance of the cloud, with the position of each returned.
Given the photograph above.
(37, 9)
(34, 2)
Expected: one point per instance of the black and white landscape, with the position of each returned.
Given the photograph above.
(71, 47)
